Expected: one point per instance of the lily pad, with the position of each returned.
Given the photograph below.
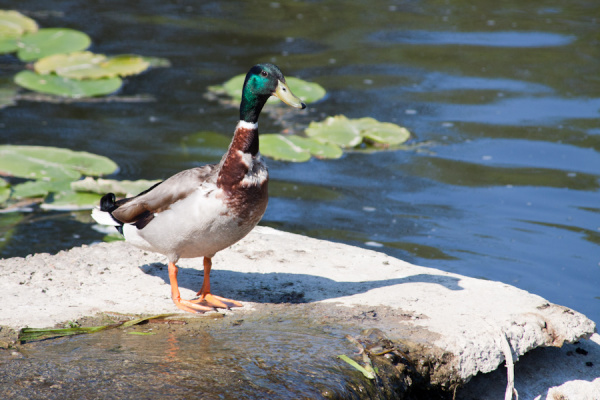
(70, 200)
(52, 163)
(120, 188)
(8, 45)
(30, 189)
(365, 123)
(316, 148)
(60, 86)
(347, 132)
(308, 92)
(280, 147)
(50, 41)
(87, 65)
(382, 132)
(338, 130)
(126, 64)
(14, 24)
(295, 148)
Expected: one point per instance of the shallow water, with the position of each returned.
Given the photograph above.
(282, 355)
(504, 96)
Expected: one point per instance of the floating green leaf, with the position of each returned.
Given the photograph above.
(316, 148)
(14, 24)
(309, 92)
(52, 171)
(52, 163)
(120, 188)
(338, 130)
(233, 87)
(8, 45)
(70, 200)
(352, 132)
(362, 124)
(295, 148)
(60, 52)
(39, 188)
(382, 132)
(61, 86)
(326, 138)
(71, 65)
(280, 147)
(50, 41)
(13, 163)
(126, 64)
(87, 65)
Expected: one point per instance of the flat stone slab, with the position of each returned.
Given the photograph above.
(463, 321)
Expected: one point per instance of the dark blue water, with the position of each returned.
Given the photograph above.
(504, 98)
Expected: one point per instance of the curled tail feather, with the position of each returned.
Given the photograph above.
(103, 216)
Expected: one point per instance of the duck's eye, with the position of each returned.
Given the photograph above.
(264, 73)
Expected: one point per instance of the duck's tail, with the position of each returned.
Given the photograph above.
(102, 214)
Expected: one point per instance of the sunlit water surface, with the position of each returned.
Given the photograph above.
(503, 96)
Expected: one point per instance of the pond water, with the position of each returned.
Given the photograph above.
(504, 98)
(276, 356)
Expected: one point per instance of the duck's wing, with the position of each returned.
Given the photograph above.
(142, 208)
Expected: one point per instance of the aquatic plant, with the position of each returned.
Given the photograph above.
(13, 25)
(308, 92)
(87, 65)
(327, 138)
(62, 67)
(296, 148)
(39, 174)
(27, 335)
(350, 133)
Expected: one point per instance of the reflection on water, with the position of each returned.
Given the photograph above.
(505, 94)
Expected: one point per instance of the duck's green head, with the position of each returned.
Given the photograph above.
(262, 82)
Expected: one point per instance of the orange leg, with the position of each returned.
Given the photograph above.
(185, 305)
(210, 299)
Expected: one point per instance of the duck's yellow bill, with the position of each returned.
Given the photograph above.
(285, 94)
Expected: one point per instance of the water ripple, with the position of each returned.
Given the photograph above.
(488, 39)
(523, 111)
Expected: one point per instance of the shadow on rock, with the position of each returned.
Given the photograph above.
(286, 287)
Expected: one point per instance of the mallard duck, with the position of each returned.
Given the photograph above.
(203, 210)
